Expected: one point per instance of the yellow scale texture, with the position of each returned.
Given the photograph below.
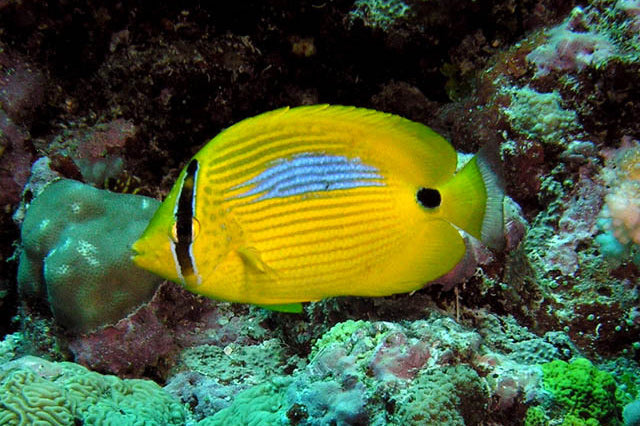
(325, 239)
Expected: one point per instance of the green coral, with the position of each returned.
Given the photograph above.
(36, 391)
(536, 417)
(76, 253)
(447, 396)
(540, 116)
(246, 364)
(585, 394)
(379, 14)
(260, 405)
(340, 333)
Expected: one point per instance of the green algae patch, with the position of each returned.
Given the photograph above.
(585, 394)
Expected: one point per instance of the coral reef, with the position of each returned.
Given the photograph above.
(362, 372)
(120, 95)
(553, 147)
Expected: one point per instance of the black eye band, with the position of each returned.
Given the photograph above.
(184, 220)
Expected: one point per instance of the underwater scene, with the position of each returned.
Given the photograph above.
(320, 212)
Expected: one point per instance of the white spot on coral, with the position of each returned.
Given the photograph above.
(43, 225)
(145, 204)
(88, 252)
(63, 269)
(75, 208)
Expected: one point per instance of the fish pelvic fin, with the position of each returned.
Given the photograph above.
(473, 199)
(291, 308)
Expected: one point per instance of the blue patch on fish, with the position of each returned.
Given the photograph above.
(308, 173)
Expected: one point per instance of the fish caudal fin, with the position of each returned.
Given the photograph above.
(488, 159)
(473, 199)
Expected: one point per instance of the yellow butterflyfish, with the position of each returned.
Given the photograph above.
(301, 204)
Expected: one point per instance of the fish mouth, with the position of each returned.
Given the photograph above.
(138, 253)
(135, 248)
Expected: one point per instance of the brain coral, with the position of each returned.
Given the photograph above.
(34, 391)
(76, 253)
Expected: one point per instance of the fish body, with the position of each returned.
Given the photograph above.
(300, 204)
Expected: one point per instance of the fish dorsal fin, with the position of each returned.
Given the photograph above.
(387, 141)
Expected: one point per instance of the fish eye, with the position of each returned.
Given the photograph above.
(195, 228)
(429, 197)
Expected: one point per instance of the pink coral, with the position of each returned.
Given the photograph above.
(15, 160)
(95, 152)
(624, 209)
(623, 202)
(397, 357)
(126, 349)
(569, 49)
(21, 87)
(102, 138)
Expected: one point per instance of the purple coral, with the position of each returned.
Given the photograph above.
(21, 93)
(95, 151)
(127, 348)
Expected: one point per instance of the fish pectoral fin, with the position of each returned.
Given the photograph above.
(251, 257)
(292, 308)
(253, 262)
